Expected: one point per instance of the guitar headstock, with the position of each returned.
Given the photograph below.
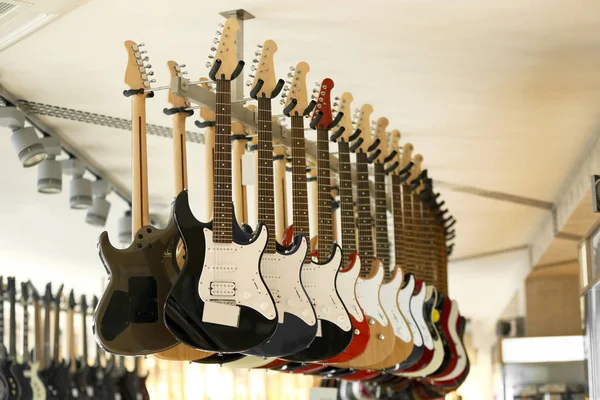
(11, 287)
(295, 92)
(322, 113)
(346, 122)
(380, 127)
(364, 139)
(176, 70)
(415, 171)
(48, 297)
(137, 73)
(34, 293)
(58, 294)
(83, 304)
(407, 151)
(225, 64)
(72, 303)
(265, 82)
(24, 293)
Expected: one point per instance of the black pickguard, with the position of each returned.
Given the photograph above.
(25, 392)
(291, 336)
(184, 307)
(333, 340)
(220, 359)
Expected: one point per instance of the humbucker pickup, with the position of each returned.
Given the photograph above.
(222, 288)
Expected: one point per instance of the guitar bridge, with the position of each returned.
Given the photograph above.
(226, 289)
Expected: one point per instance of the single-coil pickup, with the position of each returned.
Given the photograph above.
(271, 277)
(222, 288)
(221, 268)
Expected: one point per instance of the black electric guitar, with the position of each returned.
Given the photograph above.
(9, 388)
(22, 371)
(99, 379)
(82, 376)
(60, 383)
(36, 365)
(132, 386)
(219, 302)
(280, 268)
(17, 379)
(319, 278)
(129, 317)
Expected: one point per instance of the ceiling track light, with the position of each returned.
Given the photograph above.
(98, 212)
(50, 170)
(80, 188)
(25, 140)
(125, 234)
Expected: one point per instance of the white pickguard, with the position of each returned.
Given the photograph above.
(417, 308)
(404, 299)
(434, 364)
(460, 350)
(320, 283)
(249, 362)
(37, 386)
(389, 302)
(281, 273)
(231, 276)
(366, 290)
(346, 285)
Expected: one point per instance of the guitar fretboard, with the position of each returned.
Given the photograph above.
(266, 193)
(56, 352)
(46, 355)
(347, 218)
(381, 227)
(300, 197)
(1, 323)
(363, 201)
(12, 340)
(25, 332)
(84, 343)
(223, 205)
(324, 195)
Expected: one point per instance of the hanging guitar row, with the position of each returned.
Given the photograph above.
(220, 292)
(46, 371)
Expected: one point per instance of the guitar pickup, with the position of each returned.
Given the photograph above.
(222, 288)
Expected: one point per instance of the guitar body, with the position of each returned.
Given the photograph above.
(389, 295)
(461, 356)
(297, 325)
(81, 379)
(381, 340)
(346, 284)
(128, 386)
(406, 302)
(18, 372)
(335, 329)
(129, 318)
(142, 388)
(38, 388)
(214, 274)
(3, 383)
(12, 385)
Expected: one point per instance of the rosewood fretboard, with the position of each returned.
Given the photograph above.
(363, 200)
(266, 194)
(324, 221)
(299, 188)
(223, 204)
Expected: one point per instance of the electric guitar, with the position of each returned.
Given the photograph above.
(346, 280)
(37, 385)
(12, 376)
(99, 378)
(22, 370)
(129, 318)
(219, 302)
(61, 380)
(180, 352)
(280, 268)
(82, 372)
(4, 373)
(334, 332)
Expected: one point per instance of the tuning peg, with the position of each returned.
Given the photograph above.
(213, 49)
(257, 53)
(317, 84)
(184, 73)
(208, 64)
(315, 91)
(218, 33)
(285, 88)
(336, 98)
(288, 82)
(290, 75)
(282, 102)
(248, 83)
(292, 68)
(255, 61)
(260, 46)
(150, 73)
(148, 66)
(252, 68)
(251, 76)
(210, 56)
(284, 95)
(215, 40)
(335, 104)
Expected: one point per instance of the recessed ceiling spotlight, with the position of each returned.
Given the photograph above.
(125, 235)
(80, 188)
(25, 141)
(98, 212)
(50, 170)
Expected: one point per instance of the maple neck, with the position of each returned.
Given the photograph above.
(12, 334)
(381, 227)
(25, 333)
(324, 221)
(38, 339)
(299, 186)
(363, 202)
(56, 349)
(179, 152)
(139, 173)
(223, 205)
(399, 240)
(347, 218)
(266, 194)
(71, 347)
(84, 345)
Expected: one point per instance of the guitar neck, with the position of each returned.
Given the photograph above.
(299, 185)
(25, 339)
(12, 340)
(281, 201)
(381, 227)
(411, 254)
(399, 239)
(346, 199)
(222, 218)
(38, 335)
(266, 194)
(139, 195)
(209, 162)
(179, 152)
(46, 358)
(324, 221)
(84, 345)
(71, 346)
(365, 226)
(56, 349)
(1, 321)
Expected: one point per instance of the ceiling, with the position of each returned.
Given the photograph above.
(499, 96)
